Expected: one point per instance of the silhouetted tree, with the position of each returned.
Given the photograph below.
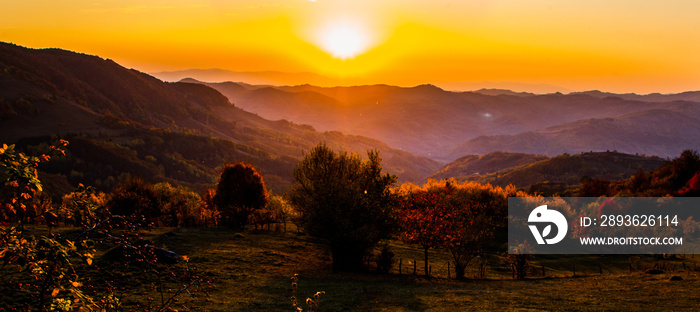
(240, 191)
(346, 201)
(135, 198)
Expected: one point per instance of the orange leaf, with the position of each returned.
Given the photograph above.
(54, 293)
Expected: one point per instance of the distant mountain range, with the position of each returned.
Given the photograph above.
(277, 78)
(251, 77)
(444, 125)
(52, 92)
(665, 132)
(126, 122)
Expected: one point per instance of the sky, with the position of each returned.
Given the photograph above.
(616, 46)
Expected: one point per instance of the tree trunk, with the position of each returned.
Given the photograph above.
(427, 273)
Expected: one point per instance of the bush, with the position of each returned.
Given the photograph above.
(179, 205)
(135, 198)
(385, 260)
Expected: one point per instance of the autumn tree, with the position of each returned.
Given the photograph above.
(240, 191)
(179, 205)
(135, 198)
(462, 218)
(344, 200)
(427, 219)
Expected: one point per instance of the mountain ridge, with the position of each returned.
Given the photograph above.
(48, 92)
(429, 121)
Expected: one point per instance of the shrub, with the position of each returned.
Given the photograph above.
(179, 205)
(385, 260)
(135, 198)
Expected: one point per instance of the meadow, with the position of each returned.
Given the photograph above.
(251, 271)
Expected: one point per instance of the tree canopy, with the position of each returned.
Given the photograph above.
(346, 200)
(240, 191)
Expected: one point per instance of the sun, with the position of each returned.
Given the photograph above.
(344, 40)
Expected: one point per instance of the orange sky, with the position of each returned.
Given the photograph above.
(620, 46)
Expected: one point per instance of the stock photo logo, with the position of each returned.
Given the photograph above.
(543, 215)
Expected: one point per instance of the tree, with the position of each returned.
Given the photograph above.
(345, 200)
(281, 209)
(135, 198)
(179, 205)
(427, 219)
(460, 217)
(240, 191)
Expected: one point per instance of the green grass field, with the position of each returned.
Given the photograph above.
(250, 271)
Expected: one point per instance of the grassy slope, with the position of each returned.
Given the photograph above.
(252, 274)
(471, 165)
(568, 169)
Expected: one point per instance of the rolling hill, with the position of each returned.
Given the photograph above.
(119, 113)
(475, 165)
(662, 132)
(567, 170)
(429, 121)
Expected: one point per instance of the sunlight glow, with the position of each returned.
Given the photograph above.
(344, 41)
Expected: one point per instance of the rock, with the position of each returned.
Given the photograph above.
(654, 271)
(675, 278)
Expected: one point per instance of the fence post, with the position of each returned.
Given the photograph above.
(414, 266)
(574, 269)
(400, 264)
(448, 269)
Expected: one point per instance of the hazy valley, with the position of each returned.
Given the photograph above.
(444, 125)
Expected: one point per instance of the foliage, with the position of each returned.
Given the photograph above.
(48, 260)
(594, 187)
(428, 219)
(675, 178)
(21, 180)
(135, 198)
(207, 208)
(519, 261)
(463, 218)
(346, 201)
(83, 207)
(46, 272)
(179, 205)
(283, 211)
(240, 192)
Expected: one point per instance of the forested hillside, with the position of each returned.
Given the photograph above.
(161, 131)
